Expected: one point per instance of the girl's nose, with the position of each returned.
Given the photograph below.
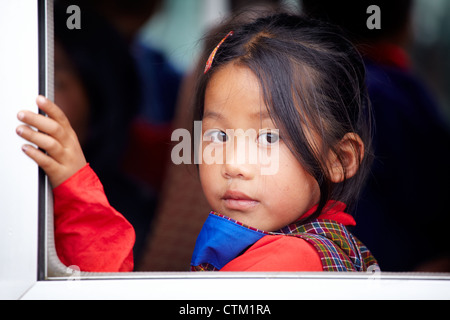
(233, 171)
(240, 159)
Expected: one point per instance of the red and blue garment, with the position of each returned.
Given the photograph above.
(324, 244)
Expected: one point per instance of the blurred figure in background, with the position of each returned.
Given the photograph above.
(108, 84)
(404, 204)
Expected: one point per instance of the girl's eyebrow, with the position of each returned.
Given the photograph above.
(218, 116)
(213, 115)
(261, 115)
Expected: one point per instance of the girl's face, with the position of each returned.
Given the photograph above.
(242, 140)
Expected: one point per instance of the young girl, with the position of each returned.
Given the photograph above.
(297, 87)
(300, 85)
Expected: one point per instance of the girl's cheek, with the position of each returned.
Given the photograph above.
(208, 175)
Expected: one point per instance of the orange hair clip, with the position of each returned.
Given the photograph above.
(213, 54)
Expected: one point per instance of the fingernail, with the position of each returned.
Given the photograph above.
(24, 148)
(41, 99)
(19, 131)
(21, 115)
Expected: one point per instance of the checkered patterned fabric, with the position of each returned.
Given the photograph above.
(338, 249)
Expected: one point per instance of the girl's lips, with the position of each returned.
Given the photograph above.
(240, 205)
(235, 200)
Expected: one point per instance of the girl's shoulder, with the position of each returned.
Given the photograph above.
(277, 253)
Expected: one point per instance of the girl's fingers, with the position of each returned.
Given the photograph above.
(52, 110)
(48, 164)
(43, 124)
(43, 141)
(55, 123)
(54, 135)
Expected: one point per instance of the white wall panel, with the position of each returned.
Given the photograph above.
(18, 175)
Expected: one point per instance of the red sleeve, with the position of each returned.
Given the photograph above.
(89, 233)
(277, 254)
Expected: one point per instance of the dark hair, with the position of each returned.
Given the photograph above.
(313, 81)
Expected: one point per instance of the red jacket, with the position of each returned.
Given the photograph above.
(276, 253)
(89, 233)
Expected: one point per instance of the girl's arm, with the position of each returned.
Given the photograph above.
(89, 233)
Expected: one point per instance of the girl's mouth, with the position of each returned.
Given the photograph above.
(236, 200)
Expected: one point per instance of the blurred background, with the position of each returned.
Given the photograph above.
(125, 81)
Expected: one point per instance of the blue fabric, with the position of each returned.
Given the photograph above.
(222, 240)
(160, 84)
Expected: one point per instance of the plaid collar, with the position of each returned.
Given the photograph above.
(222, 239)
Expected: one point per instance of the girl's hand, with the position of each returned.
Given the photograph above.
(55, 135)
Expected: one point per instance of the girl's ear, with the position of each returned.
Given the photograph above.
(345, 164)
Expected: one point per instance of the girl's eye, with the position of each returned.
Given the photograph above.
(217, 136)
(268, 138)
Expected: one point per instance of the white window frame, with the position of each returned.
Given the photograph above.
(29, 269)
